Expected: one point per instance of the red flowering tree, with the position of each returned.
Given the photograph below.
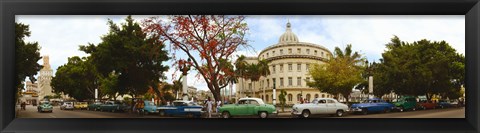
(208, 40)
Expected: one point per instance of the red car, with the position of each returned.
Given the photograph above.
(426, 105)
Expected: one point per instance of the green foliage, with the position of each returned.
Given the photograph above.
(422, 68)
(77, 78)
(109, 85)
(282, 99)
(340, 73)
(26, 56)
(132, 54)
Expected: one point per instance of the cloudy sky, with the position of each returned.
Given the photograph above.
(60, 36)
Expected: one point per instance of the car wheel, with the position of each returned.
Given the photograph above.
(225, 114)
(364, 111)
(162, 113)
(189, 115)
(305, 113)
(386, 110)
(263, 114)
(339, 113)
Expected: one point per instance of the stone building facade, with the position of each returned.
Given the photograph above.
(44, 79)
(289, 64)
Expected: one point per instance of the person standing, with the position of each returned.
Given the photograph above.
(209, 107)
(218, 106)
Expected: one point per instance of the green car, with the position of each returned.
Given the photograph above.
(248, 107)
(45, 106)
(406, 103)
(94, 106)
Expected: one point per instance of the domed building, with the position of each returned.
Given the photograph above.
(289, 62)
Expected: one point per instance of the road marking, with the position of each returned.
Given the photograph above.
(52, 116)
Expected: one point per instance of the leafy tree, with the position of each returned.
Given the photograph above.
(213, 37)
(241, 66)
(27, 55)
(109, 85)
(135, 56)
(76, 78)
(282, 99)
(423, 67)
(340, 74)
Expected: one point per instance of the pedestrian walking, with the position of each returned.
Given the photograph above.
(218, 106)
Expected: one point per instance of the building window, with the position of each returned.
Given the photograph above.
(273, 69)
(281, 51)
(308, 51)
(289, 81)
(315, 52)
(281, 81)
(267, 55)
(290, 67)
(299, 67)
(263, 98)
(316, 95)
(299, 81)
(274, 83)
(268, 83)
(308, 97)
(307, 67)
(273, 53)
(322, 54)
(299, 51)
(290, 97)
(299, 97)
(281, 68)
(289, 51)
(323, 95)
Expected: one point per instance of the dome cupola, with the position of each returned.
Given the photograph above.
(288, 36)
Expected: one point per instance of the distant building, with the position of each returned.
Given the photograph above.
(289, 64)
(31, 94)
(44, 79)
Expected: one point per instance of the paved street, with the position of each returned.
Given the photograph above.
(31, 112)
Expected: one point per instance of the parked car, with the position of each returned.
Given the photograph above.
(320, 106)
(150, 107)
(113, 106)
(45, 106)
(454, 103)
(248, 107)
(444, 104)
(80, 105)
(426, 105)
(181, 108)
(94, 106)
(67, 106)
(406, 103)
(372, 105)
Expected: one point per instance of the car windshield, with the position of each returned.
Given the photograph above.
(68, 103)
(150, 103)
(179, 104)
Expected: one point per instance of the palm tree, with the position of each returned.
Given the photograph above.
(253, 74)
(354, 59)
(240, 69)
(263, 70)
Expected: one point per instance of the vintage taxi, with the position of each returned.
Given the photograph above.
(248, 107)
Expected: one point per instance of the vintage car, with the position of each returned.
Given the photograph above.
(80, 105)
(181, 108)
(320, 106)
(426, 105)
(67, 106)
(372, 105)
(444, 104)
(45, 106)
(406, 103)
(248, 107)
(150, 107)
(94, 106)
(113, 106)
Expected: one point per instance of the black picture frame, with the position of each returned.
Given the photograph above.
(10, 8)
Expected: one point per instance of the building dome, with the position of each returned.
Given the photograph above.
(288, 36)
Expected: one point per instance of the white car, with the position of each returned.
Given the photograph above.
(320, 106)
(67, 106)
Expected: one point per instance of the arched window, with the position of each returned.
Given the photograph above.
(323, 95)
(316, 95)
(290, 97)
(299, 97)
(263, 98)
(308, 97)
(266, 99)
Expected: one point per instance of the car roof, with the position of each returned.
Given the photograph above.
(251, 98)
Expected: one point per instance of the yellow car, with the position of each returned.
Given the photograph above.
(80, 105)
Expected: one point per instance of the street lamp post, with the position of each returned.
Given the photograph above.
(274, 94)
(370, 80)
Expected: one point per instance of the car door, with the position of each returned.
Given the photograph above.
(252, 107)
(320, 107)
(331, 106)
(240, 108)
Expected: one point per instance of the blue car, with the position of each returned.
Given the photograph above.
(150, 107)
(444, 104)
(372, 105)
(181, 108)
